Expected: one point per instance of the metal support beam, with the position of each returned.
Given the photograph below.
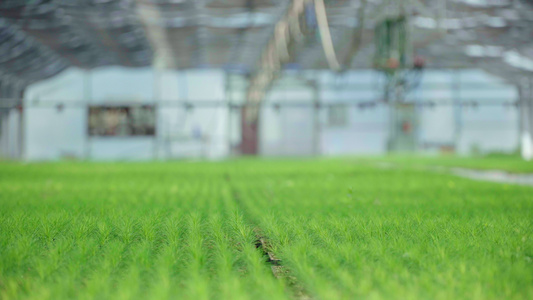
(287, 32)
(325, 35)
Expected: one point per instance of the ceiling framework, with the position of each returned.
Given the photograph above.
(41, 38)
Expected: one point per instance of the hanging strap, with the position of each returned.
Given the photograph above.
(325, 35)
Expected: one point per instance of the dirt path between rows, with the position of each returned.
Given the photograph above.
(279, 271)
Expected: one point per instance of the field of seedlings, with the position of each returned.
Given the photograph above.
(260, 229)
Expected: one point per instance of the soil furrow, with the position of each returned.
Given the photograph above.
(279, 271)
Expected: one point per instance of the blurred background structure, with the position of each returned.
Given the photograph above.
(169, 79)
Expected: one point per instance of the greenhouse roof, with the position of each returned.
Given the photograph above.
(41, 38)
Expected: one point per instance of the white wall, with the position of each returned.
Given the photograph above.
(10, 143)
(53, 134)
(288, 131)
(485, 128)
(367, 128)
(366, 133)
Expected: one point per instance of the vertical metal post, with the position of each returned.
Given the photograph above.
(3, 133)
(18, 94)
(156, 94)
(87, 98)
(524, 90)
(229, 99)
(529, 101)
(1, 119)
(457, 112)
(250, 127)
(392, 123)
(522, 117)
(316, 117)
(526, 107)
(7, 134)
(8, 92)
(183, 95)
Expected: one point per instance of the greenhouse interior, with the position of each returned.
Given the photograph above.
(266, 149)
(219, 79)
